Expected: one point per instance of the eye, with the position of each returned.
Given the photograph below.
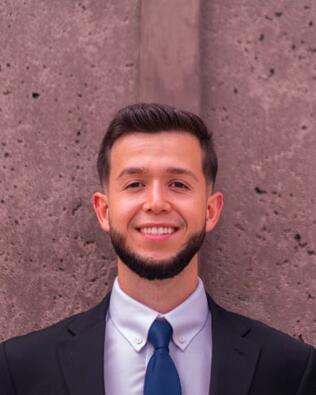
(134, 185)
(178, 185)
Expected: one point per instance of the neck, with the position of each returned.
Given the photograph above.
(159, 295)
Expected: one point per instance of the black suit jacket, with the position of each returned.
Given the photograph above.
(249, 358)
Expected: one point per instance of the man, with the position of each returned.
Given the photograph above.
(157, 332)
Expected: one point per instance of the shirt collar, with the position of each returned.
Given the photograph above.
(188, 319)
(133, 319)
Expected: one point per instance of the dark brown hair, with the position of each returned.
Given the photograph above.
(155, 118)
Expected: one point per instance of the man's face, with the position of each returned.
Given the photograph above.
(157, 205)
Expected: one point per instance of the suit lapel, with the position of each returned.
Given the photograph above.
(81, 356)
(234, 356)
(233, 361)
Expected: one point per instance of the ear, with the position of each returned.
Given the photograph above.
(101, 208)
(215, 204)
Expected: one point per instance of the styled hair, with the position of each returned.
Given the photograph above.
(155, 118)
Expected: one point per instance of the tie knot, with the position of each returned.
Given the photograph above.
(160, 334)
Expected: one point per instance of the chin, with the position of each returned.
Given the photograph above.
(158, 265)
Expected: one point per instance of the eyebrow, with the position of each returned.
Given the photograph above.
(171, 170)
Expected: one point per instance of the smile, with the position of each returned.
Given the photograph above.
(159, 230)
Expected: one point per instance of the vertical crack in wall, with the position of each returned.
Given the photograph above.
(169, 65)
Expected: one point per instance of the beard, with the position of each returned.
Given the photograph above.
(154, 269)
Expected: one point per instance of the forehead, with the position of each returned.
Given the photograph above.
(157, 150)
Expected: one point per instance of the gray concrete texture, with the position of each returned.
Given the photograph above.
(259, 78)
(169, 65)
(66, 67)
(249, 68)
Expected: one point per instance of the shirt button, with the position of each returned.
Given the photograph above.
(138, 340)
(181, 339)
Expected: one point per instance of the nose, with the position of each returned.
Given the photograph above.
(156, 200)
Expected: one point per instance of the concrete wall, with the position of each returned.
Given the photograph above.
(259, 79)
(66, 66)
(248, 68)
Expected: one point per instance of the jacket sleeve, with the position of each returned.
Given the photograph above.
(6, 383)
(308, 383)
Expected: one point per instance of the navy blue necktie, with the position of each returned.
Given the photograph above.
(161, 375)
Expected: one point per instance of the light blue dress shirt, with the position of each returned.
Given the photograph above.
(127, 352)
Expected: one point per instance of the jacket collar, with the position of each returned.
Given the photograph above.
(234, 356)
(81, 356)
(233, 362)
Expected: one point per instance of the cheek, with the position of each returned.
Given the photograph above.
(121, 211)
(200, 213)
(194, 214)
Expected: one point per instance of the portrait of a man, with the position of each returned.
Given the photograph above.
(157, 201)
(158, 331)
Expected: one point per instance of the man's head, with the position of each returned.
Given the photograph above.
(152, 119)
(157, 166)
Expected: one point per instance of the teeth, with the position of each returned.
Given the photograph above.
(161, 230)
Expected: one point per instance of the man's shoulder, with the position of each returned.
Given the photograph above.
(271, 341)
(51, 333)
(32, 362)
(43, 340)
(266, 332)
(280, 363)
